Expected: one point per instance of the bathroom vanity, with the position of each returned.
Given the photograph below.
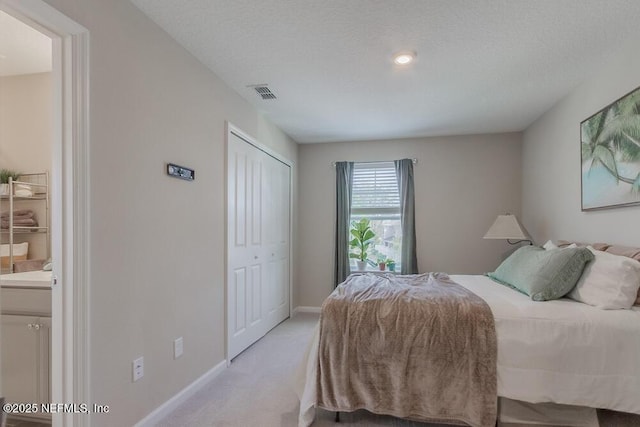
(25, 302)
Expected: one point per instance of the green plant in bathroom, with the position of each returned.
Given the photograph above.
(5, 174)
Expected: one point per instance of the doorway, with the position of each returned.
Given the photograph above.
(68, 195)
(26, 140)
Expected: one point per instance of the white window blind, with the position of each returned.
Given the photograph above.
(375, 189)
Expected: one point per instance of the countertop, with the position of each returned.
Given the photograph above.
(29, 279)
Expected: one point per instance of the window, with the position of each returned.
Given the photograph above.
(374, 195)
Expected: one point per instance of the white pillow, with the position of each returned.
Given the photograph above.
(550, 245)
(608, 282)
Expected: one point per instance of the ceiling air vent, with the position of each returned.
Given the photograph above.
(264, 92)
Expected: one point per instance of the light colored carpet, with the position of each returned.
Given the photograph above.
(256, 390)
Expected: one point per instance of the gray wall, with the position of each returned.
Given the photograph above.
(462, 184)
(157, 243)
(551, 161)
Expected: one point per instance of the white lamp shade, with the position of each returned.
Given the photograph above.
(507, 227)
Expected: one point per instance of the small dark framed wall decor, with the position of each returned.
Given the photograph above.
(181, 172)
(610, 150)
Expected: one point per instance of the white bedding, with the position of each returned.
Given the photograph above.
(558, 351)
(563, 351)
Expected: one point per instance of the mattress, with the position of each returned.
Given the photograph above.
(563, 351)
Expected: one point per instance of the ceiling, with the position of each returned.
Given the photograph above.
(481, 67)
(23, 50)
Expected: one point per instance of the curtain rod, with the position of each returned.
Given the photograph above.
(414, 161)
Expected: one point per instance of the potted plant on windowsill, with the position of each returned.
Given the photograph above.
(5, 174)
(382, 263)
(391, 264)
(362, 237)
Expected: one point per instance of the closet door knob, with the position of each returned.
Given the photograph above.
(30, 326)
(36, 327)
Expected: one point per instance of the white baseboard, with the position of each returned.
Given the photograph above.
(305, 309)
(167, 407)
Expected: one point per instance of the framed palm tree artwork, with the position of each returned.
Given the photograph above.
(610, 145)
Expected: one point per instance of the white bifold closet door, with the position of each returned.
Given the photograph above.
(258, 243)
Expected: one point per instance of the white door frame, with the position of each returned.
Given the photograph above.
(70, 382)
(232, 129)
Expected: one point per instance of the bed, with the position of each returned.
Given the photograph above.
(560, 351)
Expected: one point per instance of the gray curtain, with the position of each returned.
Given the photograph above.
(404, 175)
(344, 181)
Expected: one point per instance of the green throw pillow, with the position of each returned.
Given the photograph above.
(543, 274)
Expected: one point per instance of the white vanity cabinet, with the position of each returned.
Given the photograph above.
(26, 339)
(25, 358)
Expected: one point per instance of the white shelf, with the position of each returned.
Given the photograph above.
(38, 184)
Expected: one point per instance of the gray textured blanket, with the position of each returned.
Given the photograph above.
(419, 347)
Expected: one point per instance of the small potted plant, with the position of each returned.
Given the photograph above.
(362, 238)
(391, 264)
(5, 174)
(382, 263)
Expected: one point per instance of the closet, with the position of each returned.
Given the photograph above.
(258, 242)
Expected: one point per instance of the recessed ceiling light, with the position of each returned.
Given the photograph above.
(404, 58)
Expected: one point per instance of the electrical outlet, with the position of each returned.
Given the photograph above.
(177, 347)
(138, 369)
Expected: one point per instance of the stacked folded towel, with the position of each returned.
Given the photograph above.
(22, 190)
(21, 218)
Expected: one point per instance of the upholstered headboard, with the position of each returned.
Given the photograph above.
(627, 251)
